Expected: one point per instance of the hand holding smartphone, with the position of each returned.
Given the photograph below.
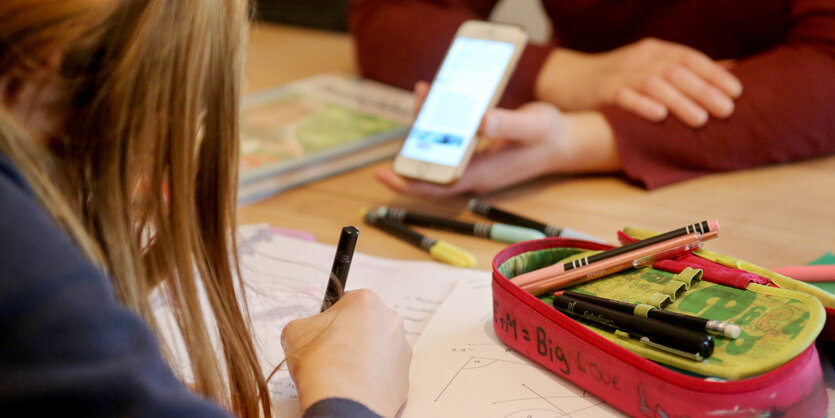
(472, 77)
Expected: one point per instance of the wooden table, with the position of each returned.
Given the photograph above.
(774, 216)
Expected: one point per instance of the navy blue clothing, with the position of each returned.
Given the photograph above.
(66, 345)
(339, 407)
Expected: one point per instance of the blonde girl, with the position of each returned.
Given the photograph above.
(118, 154)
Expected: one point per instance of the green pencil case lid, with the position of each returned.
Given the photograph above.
(776, 324)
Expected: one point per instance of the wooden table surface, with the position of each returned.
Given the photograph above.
(773, 216)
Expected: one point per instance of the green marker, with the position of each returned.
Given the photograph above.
(494, 231)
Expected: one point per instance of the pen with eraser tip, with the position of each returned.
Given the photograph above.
(674, 318)
(499, 215)
(438, 249)
(676, 340)
(341, 265)
(557, 276)
(494, 231)
(703, 227)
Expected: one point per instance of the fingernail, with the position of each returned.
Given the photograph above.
(700, 117)
(660, 113)
(727, 108)
(736, 89)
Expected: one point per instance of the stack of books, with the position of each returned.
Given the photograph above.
(317, 127)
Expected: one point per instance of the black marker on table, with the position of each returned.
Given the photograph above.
(494, 231)
(341, 266)
(439, 250)
(498, 215)
(674, 318)
(680, 341)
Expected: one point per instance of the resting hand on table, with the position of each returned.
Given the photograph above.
(650, 78)
(357, 350)
(535, 140)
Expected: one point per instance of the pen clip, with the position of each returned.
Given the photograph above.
(673, 252)
(691, 356)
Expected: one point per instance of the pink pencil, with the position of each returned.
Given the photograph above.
(814, 273)
(557, 276)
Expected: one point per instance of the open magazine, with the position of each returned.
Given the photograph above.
(317, 127)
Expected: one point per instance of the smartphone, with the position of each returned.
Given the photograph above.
(471, 80)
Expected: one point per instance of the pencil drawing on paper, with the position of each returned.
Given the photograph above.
(520, 393)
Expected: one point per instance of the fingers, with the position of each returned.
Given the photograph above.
(709, 97)
(641, 105)
(417, 188)
(714, 73)
(301, 332)
(676, 101)
(363, 298)
(358, 327)
(528, 130)
(531, 123)
(421, 91)
(727, 64)
(487, 171)
(527, 134)
(298, 333)
(652, 78)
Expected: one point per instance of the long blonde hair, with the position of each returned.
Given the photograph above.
(144, 176)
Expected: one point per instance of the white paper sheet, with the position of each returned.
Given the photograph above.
(286, 279)
(461, 369)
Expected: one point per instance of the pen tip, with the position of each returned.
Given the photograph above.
(363, 212)
(473, 203)
(732, 331)
(559, 292)
(350, 230)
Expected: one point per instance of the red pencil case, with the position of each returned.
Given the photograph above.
(632, 383)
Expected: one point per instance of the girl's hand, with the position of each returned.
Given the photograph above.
(650, 78)
(357, 350)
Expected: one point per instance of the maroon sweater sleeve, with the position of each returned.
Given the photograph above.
(403, 42)
(786, 112)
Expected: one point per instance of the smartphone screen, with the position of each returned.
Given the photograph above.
(459, 96)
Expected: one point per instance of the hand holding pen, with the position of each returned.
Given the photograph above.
(371, 335)
(377, 374)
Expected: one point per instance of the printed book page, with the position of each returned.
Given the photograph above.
(461, 369)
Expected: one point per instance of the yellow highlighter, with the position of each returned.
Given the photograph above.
(439, 250)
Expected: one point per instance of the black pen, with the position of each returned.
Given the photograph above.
(680, 341)
(341, 266)
(494, 231)
(673, 318)
(499, 215)
(438, 249)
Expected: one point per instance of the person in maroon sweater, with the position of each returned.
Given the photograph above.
(663, 91)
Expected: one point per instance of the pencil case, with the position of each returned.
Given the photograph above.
(748, 274)
(788, 383)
